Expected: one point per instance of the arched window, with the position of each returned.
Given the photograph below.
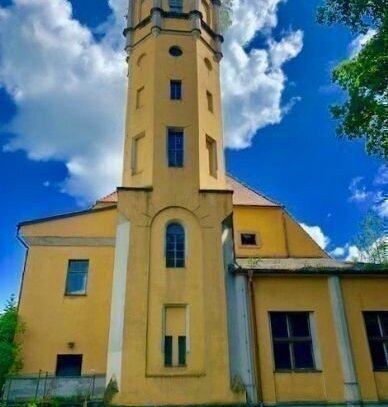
(175, 246)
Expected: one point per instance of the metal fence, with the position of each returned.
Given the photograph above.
(44, 386)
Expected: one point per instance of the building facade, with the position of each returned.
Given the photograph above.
(185, 286)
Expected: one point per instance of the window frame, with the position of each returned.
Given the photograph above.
(174, 92)
(68, 272)
(175, 6)
(139, 96)
(382, 338)
(210, 101)
(170, 163)
(249, 246)
(166, 248)
(211, 147)
(80, 356)
(291, 340)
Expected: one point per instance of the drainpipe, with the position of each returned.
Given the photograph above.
(20, 239)
(255, 338)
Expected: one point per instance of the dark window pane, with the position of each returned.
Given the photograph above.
(175, 51)
(182, 350)
(176, 90)
(176, 6)
(303, 355)
(168, 350)
(279, 325)
(175, 148)
(282, 355)
(299, 324)
(372, 324)
(379, 357)
(248, 239)
(69, 365)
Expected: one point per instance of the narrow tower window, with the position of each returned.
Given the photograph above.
(209, 98)
(175, 147)
(176, 6)
(211, 146)
(140, 98)
(176, 90)
(138, 153)
(175, 246)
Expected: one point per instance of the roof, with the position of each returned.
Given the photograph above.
(306, 265)
(242, 195)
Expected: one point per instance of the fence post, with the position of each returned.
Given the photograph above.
(9, 390)
(37, 386)
(45, 386)
(93, 386)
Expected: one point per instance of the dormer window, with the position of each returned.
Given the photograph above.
(248, 239)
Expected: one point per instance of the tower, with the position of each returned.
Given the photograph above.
(168, 329)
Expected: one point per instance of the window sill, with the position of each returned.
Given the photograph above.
(75, 295)
(297, 371)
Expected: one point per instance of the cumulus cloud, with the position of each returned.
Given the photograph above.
(253, 80)
(359, 42)
(69, 87)
(371, 197)
(69, 90)
(375, 253)
(317, 234)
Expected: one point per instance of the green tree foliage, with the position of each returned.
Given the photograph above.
(371, 240)
(10, 328)
(365, 76)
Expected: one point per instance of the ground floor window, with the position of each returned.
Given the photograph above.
(376, 324)
(69, 365)
(292, 341)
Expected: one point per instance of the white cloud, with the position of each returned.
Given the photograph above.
(359, 42)
(254, 80)
(69, 91)
(317, 234)
(69, 88)
(375, 253)
(374, 199)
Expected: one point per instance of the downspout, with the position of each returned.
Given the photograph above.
(255, 338)
(20, 239)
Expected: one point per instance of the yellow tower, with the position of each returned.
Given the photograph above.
(168, 330)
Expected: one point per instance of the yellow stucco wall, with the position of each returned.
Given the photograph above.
(278, 235)
(365, 294)
(53, 319)
(309, 294)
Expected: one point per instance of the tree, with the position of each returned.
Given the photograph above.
(365, 75)
(10, 327)
(371, 240)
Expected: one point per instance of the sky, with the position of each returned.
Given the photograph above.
(62, 100)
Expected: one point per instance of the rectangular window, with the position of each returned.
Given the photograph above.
(77, 277)
(292, 341)
(138, 153)
(69, 365)
(211, 146)
(376, 324)
(175, 147)
(176, 6)
(176, 90)
(209, 98)
(175, 336)
(140, 98)
(248, 239)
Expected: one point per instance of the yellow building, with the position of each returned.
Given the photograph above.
(185, 286)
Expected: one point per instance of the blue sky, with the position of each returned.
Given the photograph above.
(324, 182)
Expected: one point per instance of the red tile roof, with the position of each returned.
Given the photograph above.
(242, 195)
